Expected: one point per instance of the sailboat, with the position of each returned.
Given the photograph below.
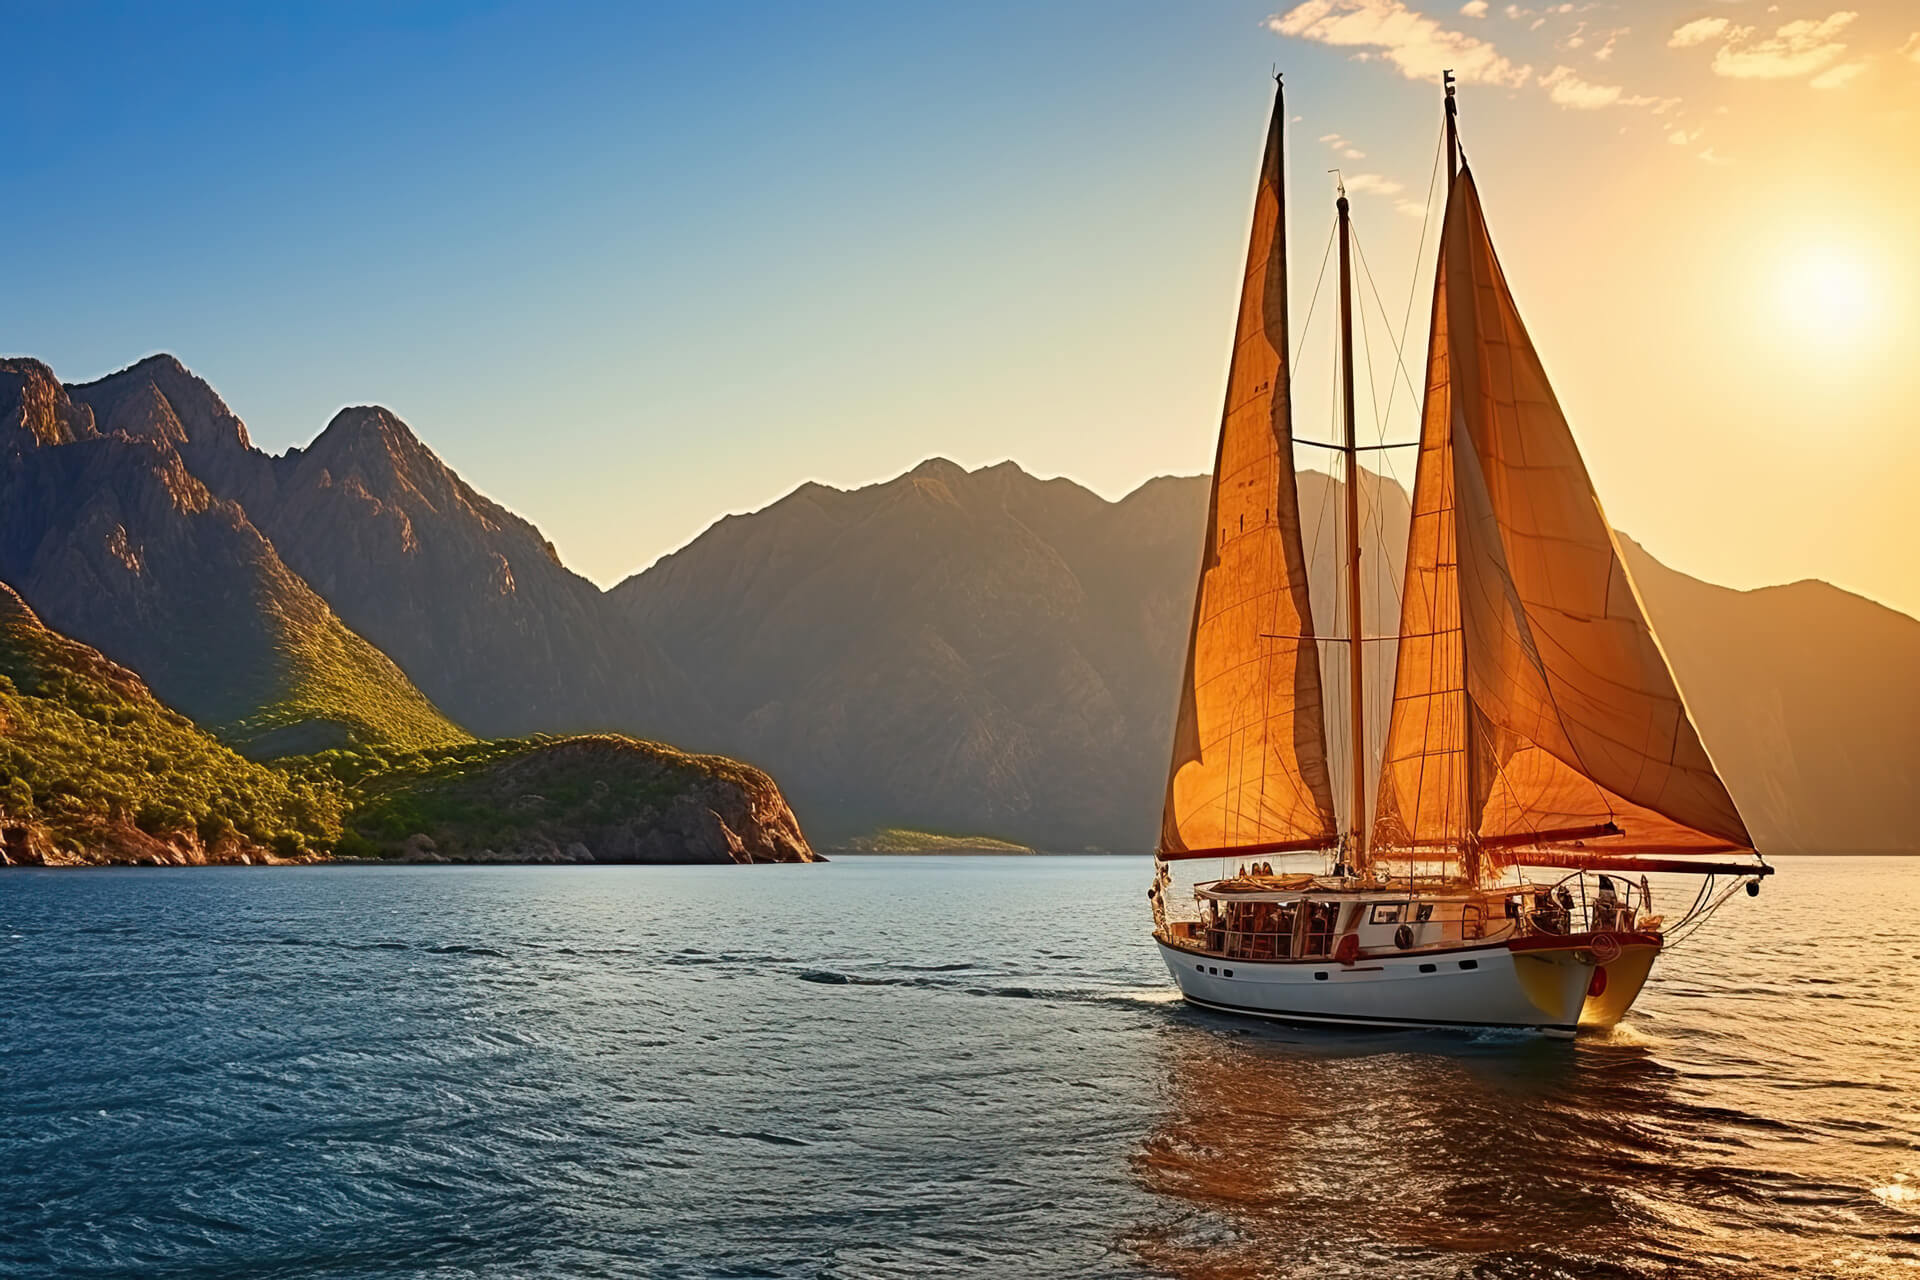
(1538, 763)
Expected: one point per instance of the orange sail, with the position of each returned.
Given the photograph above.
(1249, 770)
(1532, 703)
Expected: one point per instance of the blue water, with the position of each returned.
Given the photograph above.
(902, 1067)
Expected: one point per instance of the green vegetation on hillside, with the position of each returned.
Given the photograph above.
(94, 768)
(506, 792)
(82, 744)
(338, 691)
(901, 840)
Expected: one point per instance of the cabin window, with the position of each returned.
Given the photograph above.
(1211, 969)
(1320, 975)
(1469, 964)
(1386, 913)
(1423, 913)
(1226, 973)
(1429, 968)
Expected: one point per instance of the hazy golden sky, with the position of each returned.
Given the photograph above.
(637, 268)
(1710, 213)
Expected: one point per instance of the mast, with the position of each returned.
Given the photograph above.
(1358, 818)
(1470, 861)
(1453, 130)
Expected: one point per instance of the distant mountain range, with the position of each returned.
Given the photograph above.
(979, 653)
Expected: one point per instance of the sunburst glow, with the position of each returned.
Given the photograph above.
(1829, 294)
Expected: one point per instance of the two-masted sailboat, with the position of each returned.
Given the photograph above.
(1538, 764)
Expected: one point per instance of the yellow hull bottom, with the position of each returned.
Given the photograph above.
(1620, 986)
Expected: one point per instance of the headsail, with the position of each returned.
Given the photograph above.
(1249, 770)
(1532, 704)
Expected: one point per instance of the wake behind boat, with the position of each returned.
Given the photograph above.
(1535, 724)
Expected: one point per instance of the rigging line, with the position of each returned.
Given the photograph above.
(1399, 348)
(1306, 326)
(1377, 518)
(1426, 220)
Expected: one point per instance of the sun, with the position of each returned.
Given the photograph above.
(1829, 294)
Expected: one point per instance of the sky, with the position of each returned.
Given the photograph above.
(629, 268)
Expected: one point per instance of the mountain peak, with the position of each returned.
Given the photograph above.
(198, 415)
(942, 469)
(35, 408)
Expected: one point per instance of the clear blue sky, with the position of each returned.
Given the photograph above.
(631, 267)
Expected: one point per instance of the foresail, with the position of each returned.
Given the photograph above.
(1249, 768)
(1570, 728)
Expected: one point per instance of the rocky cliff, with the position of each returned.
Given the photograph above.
(600, 798)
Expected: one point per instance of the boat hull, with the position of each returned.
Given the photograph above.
(1471, 987)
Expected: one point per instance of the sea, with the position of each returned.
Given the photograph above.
(904, 1067)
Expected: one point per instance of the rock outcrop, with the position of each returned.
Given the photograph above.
(600, 798)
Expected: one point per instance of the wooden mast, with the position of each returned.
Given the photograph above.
(1471, 865)
(1357, 820)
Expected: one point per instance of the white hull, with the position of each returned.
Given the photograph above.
(1483, 986)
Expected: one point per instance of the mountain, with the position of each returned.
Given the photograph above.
(1808, 699)
(950, 650)
(990, 653)
(115, 542)
(469, 599)
(93, 768)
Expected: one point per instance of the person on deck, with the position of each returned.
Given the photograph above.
(1606, 906)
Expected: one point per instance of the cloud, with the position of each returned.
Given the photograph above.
(1682, 138)
(1911, 49)
(1569, 90)
(1364, 184)
(1418, 47)
(1797, 49)
(1835, 76)
(1412, 208)
(1699, 31)
(1711, 158)
(1474, 9)
(1605, 51)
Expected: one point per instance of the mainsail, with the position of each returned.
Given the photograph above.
(1249, 770)
(1532, 704)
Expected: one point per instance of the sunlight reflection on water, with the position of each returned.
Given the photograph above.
(893, 1067)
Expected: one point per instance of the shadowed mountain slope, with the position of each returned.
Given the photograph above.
(1808, 699)
(116, 543)
(468, 598)
(983, 652)
(987, 652)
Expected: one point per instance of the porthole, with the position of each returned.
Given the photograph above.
(1211, 969)
(1469, 964)
(1429, 968)
(1320, 975)
(1226, 973)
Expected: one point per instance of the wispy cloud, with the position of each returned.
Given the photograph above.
(1474, 9)
(1371, 184)
(1911, 49)
(1569, 90)
(1712, 158)
(1840, 73)
(1342, 148)
(1801, 48)
(1699, 31)
(1419, 47)
(1605, 52)
(1412, 208)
